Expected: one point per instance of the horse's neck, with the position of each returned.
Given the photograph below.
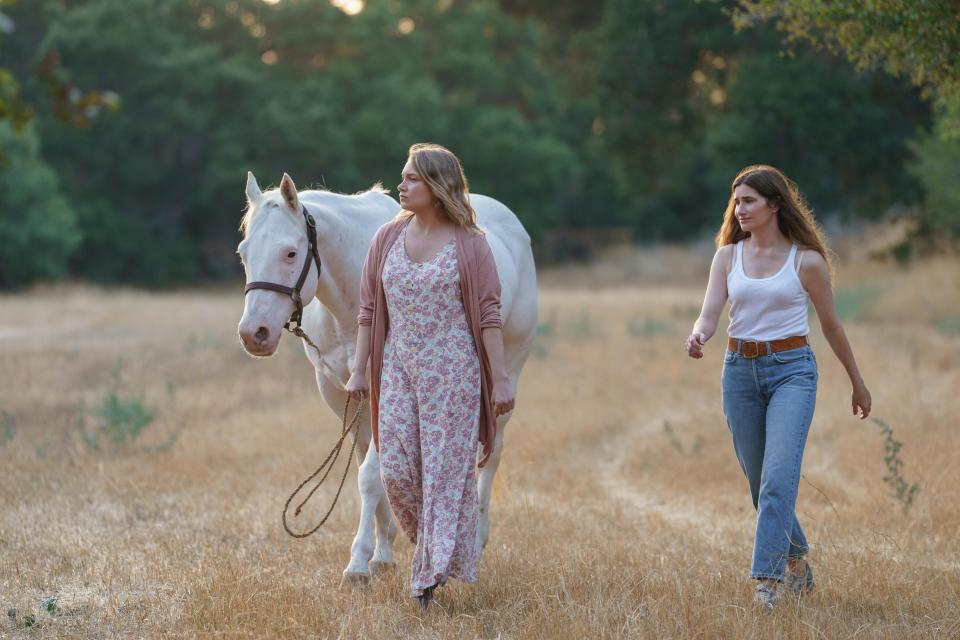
(342, 240)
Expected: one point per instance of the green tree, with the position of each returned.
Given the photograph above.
(462, 74)
(937, 159)
(154, 185)
(38, 229)
(683, 102)
(919, 40)
(216, 87)
(65, 99)
(846, 146)
(13, 108)
(648, 122)
(626, 112)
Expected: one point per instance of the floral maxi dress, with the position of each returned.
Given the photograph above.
(429, 415)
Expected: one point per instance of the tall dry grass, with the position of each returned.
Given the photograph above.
(619, 510)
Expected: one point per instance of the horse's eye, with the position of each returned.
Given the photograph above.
(292, 254)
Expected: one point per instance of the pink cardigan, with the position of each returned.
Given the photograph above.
(480, 288)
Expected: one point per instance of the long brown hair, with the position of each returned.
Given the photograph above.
(443, 173)
(794, 217)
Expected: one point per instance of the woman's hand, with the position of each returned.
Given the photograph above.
(861, 400)
(357, 386)
(694, 345)
(503, 398)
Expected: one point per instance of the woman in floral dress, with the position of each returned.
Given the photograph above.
(430, 328)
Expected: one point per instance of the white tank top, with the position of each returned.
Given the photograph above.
(766, 308)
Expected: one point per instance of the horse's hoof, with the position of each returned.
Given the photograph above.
(381, 568)
(354, 579)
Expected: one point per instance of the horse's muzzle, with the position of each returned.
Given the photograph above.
(258, 340)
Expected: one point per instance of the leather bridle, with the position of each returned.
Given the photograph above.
(294, 292)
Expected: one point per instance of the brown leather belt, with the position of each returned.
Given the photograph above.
(752, 348)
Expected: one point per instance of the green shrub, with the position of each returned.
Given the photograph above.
(121, 417)
(903, 491)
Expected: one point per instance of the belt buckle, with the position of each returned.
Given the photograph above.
(743, 349)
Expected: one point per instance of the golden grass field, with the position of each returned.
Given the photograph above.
(619, 510)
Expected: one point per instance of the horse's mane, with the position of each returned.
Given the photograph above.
(273, 194)
(375, 188)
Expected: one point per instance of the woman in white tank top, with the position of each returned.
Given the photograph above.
(771, 259)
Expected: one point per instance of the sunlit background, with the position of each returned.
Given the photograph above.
(128, 127)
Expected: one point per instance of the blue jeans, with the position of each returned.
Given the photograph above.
(769, 402)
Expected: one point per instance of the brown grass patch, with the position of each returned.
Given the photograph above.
(619, 510)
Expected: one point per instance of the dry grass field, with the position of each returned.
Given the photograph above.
(619, 510)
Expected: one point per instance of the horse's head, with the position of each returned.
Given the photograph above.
(275, 251)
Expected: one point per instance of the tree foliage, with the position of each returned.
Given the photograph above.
(67, 101)
(679, 116)
(918, 40)
(936, 167)
(38, 228)
(846, 147)
(621, 113)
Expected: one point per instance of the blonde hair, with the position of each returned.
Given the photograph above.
(443, 173)
(794, 217)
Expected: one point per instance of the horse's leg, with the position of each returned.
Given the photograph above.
(515, 360)
(485, 486)
(361, 551)
(372, 492)
(383, 559)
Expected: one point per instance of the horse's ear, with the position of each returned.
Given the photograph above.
(253, 189)
(289, 192)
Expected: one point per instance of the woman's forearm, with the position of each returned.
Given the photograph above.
(362, 352)
(715, 298)
(837, 339)
(493, 344)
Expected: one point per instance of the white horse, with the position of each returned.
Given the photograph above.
(274, 250)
